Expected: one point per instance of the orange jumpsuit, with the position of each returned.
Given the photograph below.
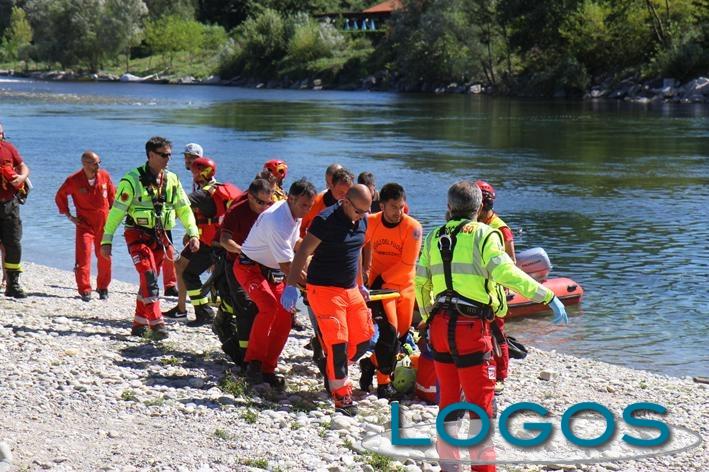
(92, 204)
(394, 254)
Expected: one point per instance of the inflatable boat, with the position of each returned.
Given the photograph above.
(535, 262)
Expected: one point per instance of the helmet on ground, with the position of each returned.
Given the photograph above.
(277, 167)
(404, 379)
(204, 167)
(488, 194)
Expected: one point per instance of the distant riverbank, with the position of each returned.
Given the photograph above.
(630, 89)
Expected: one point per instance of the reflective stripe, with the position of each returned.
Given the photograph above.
(11, 266)
(148, 299)
(199, 301)
(244, 344)
(541, 294)
(226, 307)
(422, 271)
(156, 322)
(336, 384)
(195, 292)
(421, 388)
(458, 268)
(120, 206)
(496, 261)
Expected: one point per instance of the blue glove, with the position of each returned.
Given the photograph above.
(375, 336)
(365, 292)
(557, 307)
(289, 298)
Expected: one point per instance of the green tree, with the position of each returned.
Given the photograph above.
(122, 25)
(169, 35)
(18, 35)
(186, 9)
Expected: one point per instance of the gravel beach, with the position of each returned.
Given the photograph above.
(78, 393)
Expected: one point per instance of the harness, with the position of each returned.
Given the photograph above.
(158, 199)
(454, 304)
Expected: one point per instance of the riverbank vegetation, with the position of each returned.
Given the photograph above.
(544, 47)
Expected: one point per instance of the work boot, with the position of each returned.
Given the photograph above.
(175, 312)
(13, 288)
(253, 373)
(171, 291)
(102, 293)
(499, 387)
(85, 297)
(204, 315)
(139, 331)
(368, 370)
(159, 332)
(345, 405)
(388, 392)
(275, 381)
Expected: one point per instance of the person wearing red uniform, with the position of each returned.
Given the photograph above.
(335, 293)
(265, 260)
(489, 217)
(209, 203)
(13, 190)
(237, 312)
(92, 191)
(459, 279)
(394, 240)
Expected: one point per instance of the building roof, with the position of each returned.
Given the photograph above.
(385, 7)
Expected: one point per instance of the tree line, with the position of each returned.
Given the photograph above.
(542, 46)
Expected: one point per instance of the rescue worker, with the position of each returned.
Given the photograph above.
(13, 190)
(338, 180)
(234, 320)
(149, 197)
(489, 217)
(265, 260)
(209, 203)
(394, 240)
(174, 287)
(367, 179)
(279, 169)
(334, 288)
(92, 191)
(459, 289)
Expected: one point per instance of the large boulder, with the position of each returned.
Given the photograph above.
(130, 78)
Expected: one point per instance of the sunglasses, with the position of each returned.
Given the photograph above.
(164, 155)
(261, 202)
(357, 210)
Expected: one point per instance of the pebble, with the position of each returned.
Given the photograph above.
(58, 399)
(547, 375)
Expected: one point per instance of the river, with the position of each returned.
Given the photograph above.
(616, 193)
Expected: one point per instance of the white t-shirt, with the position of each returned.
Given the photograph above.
(273, 236)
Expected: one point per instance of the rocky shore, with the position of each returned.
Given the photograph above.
(77, 393)
(629, 90)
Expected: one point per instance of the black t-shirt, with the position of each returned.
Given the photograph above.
(336, 260)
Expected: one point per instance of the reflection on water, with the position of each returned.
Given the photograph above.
(615, 193)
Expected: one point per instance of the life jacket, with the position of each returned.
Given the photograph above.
(223, 195)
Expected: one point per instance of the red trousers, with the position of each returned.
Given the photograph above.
(272, 324)
(471, 336)
(88, 239)
(147, 254)
(502, 362)
(345, 327)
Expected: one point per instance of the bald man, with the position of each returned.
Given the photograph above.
(335, 291)
(329, 172)
(92, 192)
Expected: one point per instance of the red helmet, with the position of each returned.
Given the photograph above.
(204, 167)
(277, 167)
(488, 193)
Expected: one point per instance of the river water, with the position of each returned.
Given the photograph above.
(616, 193)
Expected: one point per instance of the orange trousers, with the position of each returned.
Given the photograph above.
(345, 328)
